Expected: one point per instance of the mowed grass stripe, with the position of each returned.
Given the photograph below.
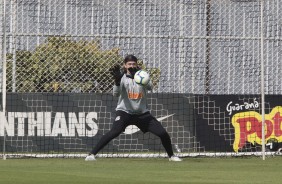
(135, 170)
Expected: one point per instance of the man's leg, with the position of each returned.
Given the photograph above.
(121, 121)
(155, 127)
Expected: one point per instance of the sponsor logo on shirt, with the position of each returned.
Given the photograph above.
(135, 95)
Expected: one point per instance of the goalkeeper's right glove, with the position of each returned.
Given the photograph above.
(133, 70)
(117, 74)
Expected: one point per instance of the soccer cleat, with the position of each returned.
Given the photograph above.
(175, 159)
(90, 158)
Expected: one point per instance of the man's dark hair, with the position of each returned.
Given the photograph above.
(130, 58)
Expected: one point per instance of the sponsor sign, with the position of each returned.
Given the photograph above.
(54, 120)
(234, 122)
(202, 123)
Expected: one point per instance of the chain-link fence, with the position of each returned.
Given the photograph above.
(199, 46)
(188, 46)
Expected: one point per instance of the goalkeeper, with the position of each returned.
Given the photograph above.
(132, 109)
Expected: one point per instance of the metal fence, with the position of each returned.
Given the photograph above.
(188, 46)
(200, 46)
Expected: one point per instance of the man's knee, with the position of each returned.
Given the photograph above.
(163, 134)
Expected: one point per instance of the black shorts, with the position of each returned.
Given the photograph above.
(145, 122)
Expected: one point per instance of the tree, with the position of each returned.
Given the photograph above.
(63, 64)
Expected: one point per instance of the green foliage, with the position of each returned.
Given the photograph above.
(62, 64)
(22, 72)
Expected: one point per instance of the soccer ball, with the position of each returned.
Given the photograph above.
(141, 77)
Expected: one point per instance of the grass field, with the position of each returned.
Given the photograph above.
(121, 170)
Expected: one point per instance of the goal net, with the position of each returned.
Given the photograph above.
(204, 58)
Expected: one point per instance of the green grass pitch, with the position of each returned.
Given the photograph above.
(141, 170)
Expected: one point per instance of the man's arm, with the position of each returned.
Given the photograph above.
(116, 90)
